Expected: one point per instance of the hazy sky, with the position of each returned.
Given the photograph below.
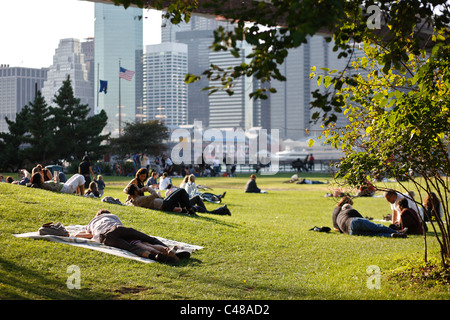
(30, 30)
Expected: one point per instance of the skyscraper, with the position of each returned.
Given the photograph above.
(198, 35)
(17, 88)
(290, 106)
(118, 43)
(68, 60)
(165, 92)
(237, 110)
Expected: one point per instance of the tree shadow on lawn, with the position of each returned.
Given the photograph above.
(237, 288)
(43, 286)
(206, 217)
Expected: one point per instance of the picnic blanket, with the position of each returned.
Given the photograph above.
(93, 245)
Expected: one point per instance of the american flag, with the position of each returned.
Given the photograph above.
(126, 74)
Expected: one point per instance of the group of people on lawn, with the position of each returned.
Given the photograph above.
(80, 183)
(407, 217)
(105, 227)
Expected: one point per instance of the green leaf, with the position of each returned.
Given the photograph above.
(364, 62)
(319, 80)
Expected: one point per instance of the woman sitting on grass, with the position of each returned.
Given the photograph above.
(408, 218)
(139, 181)
(93, 190)
(74, 185)
(192, 189)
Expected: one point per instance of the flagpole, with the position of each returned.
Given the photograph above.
(98, 90)
(120, 103)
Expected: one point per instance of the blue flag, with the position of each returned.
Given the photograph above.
(103, 86)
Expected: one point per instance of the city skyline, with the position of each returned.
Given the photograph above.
(40, 25)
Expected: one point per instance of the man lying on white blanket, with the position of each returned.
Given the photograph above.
(107, 228)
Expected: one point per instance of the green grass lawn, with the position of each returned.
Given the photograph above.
(264, 250)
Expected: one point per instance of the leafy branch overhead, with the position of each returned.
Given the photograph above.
(48, 134)
(393, 98)
(274, 27)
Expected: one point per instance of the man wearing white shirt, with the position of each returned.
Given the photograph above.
(164, 181)
(107, 228)
(392, 196)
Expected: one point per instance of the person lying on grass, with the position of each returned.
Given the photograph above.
(74, 184)
(337, 210)
(351, 222)
(107, 228)
(177, 201)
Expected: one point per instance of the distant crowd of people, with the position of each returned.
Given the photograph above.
(80, 183)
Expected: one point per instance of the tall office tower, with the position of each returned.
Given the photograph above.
(118, 44)
(290, 106)
(18, 87)
(165, 92)
(197, 22)
(198, 36)
(198, 43)
(69, 61)
(237, 110)
(88, 49)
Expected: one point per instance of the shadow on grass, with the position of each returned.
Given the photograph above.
(43, 287)
(205, 217)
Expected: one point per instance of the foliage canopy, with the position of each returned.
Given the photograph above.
(47, 135)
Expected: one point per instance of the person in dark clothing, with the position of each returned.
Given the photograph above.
(409, 218)
(338, 208)
(177, 201)
(199, 206)
(85, 170)
(251, 186)
(351, 222)
(107, 228)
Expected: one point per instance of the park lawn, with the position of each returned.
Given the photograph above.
(264, 250)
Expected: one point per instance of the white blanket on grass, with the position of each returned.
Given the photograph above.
(93, 245)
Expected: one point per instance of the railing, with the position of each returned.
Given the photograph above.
(322, 166)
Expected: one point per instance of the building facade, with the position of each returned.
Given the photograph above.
(68, 60)
(237, 110)
(165, 92)
(118, 43)
(198, 35)
(290, 106)
(18, 87)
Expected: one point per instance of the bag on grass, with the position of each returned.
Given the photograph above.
(321, 229)
(53, 230)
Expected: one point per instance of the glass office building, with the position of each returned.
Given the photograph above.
(18, 88)
(165, 92)
(290, 107)
(118, 43)
(68, 60)
(238, 110)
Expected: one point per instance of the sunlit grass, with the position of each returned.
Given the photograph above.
(264, 250)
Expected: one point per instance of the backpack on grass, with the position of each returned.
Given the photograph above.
(53, 230)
